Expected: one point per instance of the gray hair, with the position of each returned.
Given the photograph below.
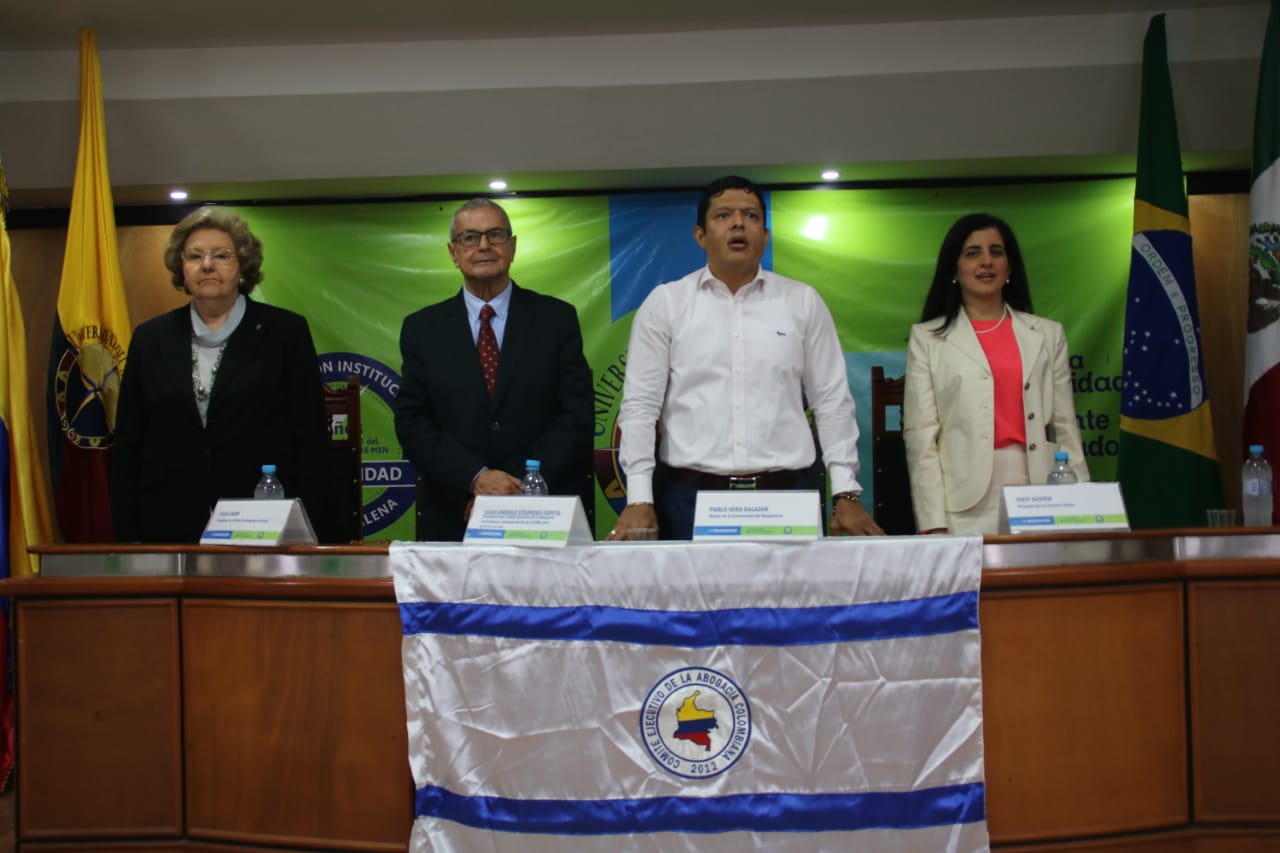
(475, 204)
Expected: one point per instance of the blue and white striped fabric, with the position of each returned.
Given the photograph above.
(713, 697)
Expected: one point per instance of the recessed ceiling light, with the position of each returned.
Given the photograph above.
(830, 175)
(178, 195)
(497, 184)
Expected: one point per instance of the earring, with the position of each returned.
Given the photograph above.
(242, 280)
(953, 281)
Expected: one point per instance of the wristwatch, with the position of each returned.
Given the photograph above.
(854, 497)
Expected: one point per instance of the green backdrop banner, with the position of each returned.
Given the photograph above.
(356, 270)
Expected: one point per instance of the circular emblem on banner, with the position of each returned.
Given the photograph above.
(86, 386)
(695, 722)
(388, 479)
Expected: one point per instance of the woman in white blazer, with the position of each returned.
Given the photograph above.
(988, 385)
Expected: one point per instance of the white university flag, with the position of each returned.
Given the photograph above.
(825, 696)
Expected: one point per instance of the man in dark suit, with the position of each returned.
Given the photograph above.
(490, 377)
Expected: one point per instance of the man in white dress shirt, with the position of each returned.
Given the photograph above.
(727, 358)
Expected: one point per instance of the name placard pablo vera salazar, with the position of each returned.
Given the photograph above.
(759, 516)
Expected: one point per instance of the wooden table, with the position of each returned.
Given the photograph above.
(204, 700)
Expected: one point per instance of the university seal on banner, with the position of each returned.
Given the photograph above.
(86, 387)
(386, 477)
(695, 722)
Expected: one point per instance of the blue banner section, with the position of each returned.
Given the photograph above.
(1163, 358)
(797, 626)
(942, 806)
(651, 242)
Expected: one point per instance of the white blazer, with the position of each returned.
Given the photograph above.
(948, 412)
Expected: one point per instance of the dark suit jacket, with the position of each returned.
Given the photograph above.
(450, 428)
(266, 406)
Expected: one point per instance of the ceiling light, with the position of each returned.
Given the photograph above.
(497, 184)
(178, 195)
(830, 175)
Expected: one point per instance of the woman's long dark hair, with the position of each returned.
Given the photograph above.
(944, 299)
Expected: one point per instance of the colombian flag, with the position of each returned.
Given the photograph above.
(24, 506)
(91, 333)
(1168, 468)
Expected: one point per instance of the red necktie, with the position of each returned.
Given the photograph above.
(487, 346)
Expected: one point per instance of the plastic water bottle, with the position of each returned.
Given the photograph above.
(533, 483)
(1255, 484)
(269, 488)
(1061, 475)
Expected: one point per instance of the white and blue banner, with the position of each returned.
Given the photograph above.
(711, 697)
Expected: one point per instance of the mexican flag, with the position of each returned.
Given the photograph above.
(1262, 347)
(1168, 468)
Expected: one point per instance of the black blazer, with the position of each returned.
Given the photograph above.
(450, 428)
(266, 406)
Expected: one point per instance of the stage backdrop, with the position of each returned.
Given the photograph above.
(356, 270)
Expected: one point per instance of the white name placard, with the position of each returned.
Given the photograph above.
(758, 516)
(1050, 509)
(539, 522)
(242, 522)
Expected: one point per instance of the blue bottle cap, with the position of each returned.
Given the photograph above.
(532, 463)
(1060, 456)
(268, 469)
(1255, 448)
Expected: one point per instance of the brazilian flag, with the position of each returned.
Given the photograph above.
(1168, 468)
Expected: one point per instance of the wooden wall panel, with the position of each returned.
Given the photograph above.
(181, 846)
(1084, 711)
(1235, 700)
(1239, 841)
(148, 287)
(295, 724)
(1178, 841)
(98, 720)
(1220, 235)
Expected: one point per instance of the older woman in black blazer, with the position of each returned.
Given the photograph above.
(214, 390)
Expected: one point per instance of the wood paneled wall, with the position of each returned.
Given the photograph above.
(1219, 226)
(1220, 237)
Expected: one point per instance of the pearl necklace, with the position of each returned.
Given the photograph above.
(1003, 316)
(202, 393)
